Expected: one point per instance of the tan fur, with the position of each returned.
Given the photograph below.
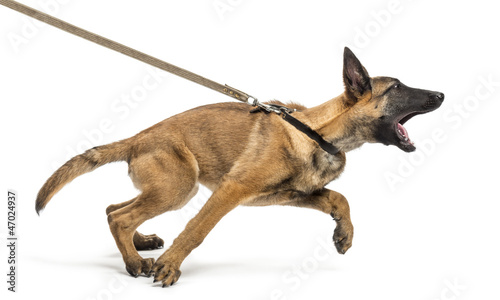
(245, 159)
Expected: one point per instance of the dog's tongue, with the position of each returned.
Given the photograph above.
(403, 132)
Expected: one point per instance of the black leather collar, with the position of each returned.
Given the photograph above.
(285, 112)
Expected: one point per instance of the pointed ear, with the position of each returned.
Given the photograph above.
(356, 78)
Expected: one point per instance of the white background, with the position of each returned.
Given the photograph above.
(430, 232)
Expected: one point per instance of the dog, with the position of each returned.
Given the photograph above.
(245, 159)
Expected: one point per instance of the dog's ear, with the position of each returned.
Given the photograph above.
(356, 78)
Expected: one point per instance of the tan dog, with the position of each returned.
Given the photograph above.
(245, 159)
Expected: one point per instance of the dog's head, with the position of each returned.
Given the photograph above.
(383, 104)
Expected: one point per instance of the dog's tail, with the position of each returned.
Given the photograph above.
(79, 165)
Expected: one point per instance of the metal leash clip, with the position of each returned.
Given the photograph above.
(268, 108)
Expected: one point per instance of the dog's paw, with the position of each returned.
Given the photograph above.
(140, 266)
(166, 272)
(147, 242)
(342, 236)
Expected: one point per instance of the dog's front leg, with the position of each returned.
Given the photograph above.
(334, 204)
(228, 196)
(343, 233)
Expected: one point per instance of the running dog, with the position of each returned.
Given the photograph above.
(245, 158)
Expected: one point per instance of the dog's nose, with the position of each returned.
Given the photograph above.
(437, 96)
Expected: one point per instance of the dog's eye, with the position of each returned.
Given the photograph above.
(397, 86)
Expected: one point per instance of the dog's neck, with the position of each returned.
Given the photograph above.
(330, 118)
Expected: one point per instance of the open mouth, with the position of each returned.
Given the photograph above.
(415, 102)
(402, 133)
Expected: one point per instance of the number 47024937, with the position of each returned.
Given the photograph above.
(11, 213)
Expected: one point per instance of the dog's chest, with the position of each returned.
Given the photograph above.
(315, 172)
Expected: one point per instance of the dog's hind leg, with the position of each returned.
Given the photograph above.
(167, 183)
(141, 241)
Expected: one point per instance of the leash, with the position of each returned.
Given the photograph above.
(160, 64)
